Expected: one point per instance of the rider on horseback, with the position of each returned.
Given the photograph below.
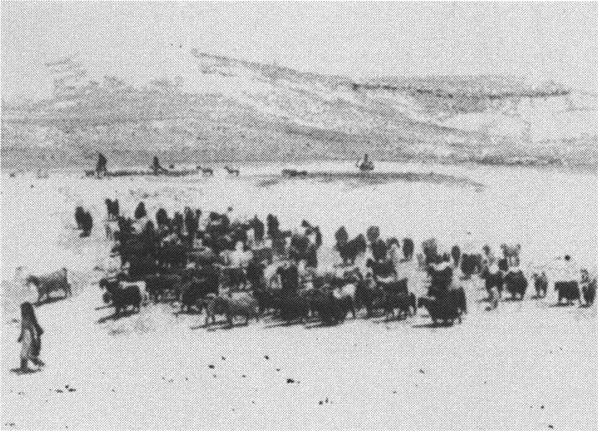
(365, 164)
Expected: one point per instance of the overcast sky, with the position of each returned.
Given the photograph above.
(136, 40)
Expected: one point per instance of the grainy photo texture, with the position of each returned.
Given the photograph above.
(306, 216)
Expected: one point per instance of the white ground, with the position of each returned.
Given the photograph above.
(524, 366)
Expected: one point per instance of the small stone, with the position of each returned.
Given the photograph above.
(290, 381)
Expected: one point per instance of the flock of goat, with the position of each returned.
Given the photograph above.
(247, 268)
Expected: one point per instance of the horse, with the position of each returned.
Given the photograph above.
(232, 171)
(206, 172)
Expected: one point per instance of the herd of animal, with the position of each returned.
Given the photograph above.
(226, 267)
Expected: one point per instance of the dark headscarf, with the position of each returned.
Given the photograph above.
(28, 317)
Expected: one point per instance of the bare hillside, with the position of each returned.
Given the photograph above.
(219, 108)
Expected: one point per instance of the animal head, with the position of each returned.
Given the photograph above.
(32, 279)
(393, 241)
(373, 233)
(353, 275)
(361, 242)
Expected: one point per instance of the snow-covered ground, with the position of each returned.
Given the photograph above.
(526, 365)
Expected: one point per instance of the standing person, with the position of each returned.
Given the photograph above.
(30, 337)
(156, 167)
(101, 166)
(365, 164)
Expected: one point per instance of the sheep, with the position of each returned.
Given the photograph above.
(242, 304)
(47, 283)
(122, 296)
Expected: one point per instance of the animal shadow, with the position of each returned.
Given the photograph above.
(49, 300)
(219, 325)
(282, 324)
(191, 312)
(561, 304)
(511, 299)
(320, 325)
(438, 324)
(115, 316)
(24, 372)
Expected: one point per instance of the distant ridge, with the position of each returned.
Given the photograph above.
(221, 108)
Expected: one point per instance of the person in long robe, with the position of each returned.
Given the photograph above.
(30, 338)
